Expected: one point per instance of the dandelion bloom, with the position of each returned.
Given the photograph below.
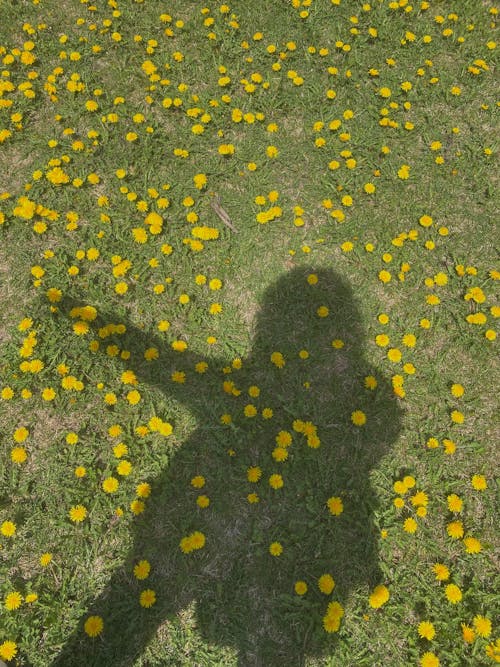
(93, 626)
(482, 625)
(300, 587)
(147, 598)
(192, 542)
(468, 634)
(379, 596)
(453, 593)
(333, 616)
(142, 569)
(335, 505)
(455, 529)
(326, 584)
(8, 650)
(441, 571)
(472, 545)
(429, 660)
(110, 484)
(276, 481)
(45, 559)
(276, 549)
(77, 513)
(13, 601)
(426, 630)
(410, 525)
(8, 529)
(479, 482)
(254, 474)
(358, 418)
(455, 503)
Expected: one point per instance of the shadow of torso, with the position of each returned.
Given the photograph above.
(244, 595)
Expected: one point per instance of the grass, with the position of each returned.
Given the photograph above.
(407, 256)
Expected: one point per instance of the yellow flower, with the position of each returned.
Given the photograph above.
(133, 397)
(147, 598)
(93, 626)
(429, 660)
(426, 630)
(143, 490)
(8, 529)
(441, 571)
(124, 468)
(276, 481)
(333, 616)
(455, 503)
(203, 501)
(300, 587)
(77, 513)
(358, 418)
(482, 625)
(425, 221)
(7, 393)
(410, 525)
(110, 484)
(379, 596)
(468, 633)
(394, 354)
(226, 149)
(326, 584)
(275, 549)
(322, 311)
(277, 359)
(142, 569)
(8, 650)
(384, 276)
(20, 434)
(18, 455)
(472, 545)
(45, 559)
(13, 601)
(453, 593)
(192, 542)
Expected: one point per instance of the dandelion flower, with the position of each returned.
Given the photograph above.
(275, 549)
(142, 569)
(358, 418)
(77, 513)
(453, 593)
(13, 601)
(335, 505)
(93, 626)
(326, 584)
(426, 630)
(472, 545)
(8, 650)
(441, 571)
(300, 587)
(482, 625)
(429, 660)
(479, 482)
(147, 598)
(379, 596)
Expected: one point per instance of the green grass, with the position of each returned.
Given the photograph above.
(231, 602)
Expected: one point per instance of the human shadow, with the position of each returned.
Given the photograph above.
(245, 596)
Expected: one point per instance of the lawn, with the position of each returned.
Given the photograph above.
(248, 330)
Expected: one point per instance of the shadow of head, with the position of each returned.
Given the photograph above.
(307, 417)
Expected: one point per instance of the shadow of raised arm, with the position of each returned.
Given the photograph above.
(148, 357)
